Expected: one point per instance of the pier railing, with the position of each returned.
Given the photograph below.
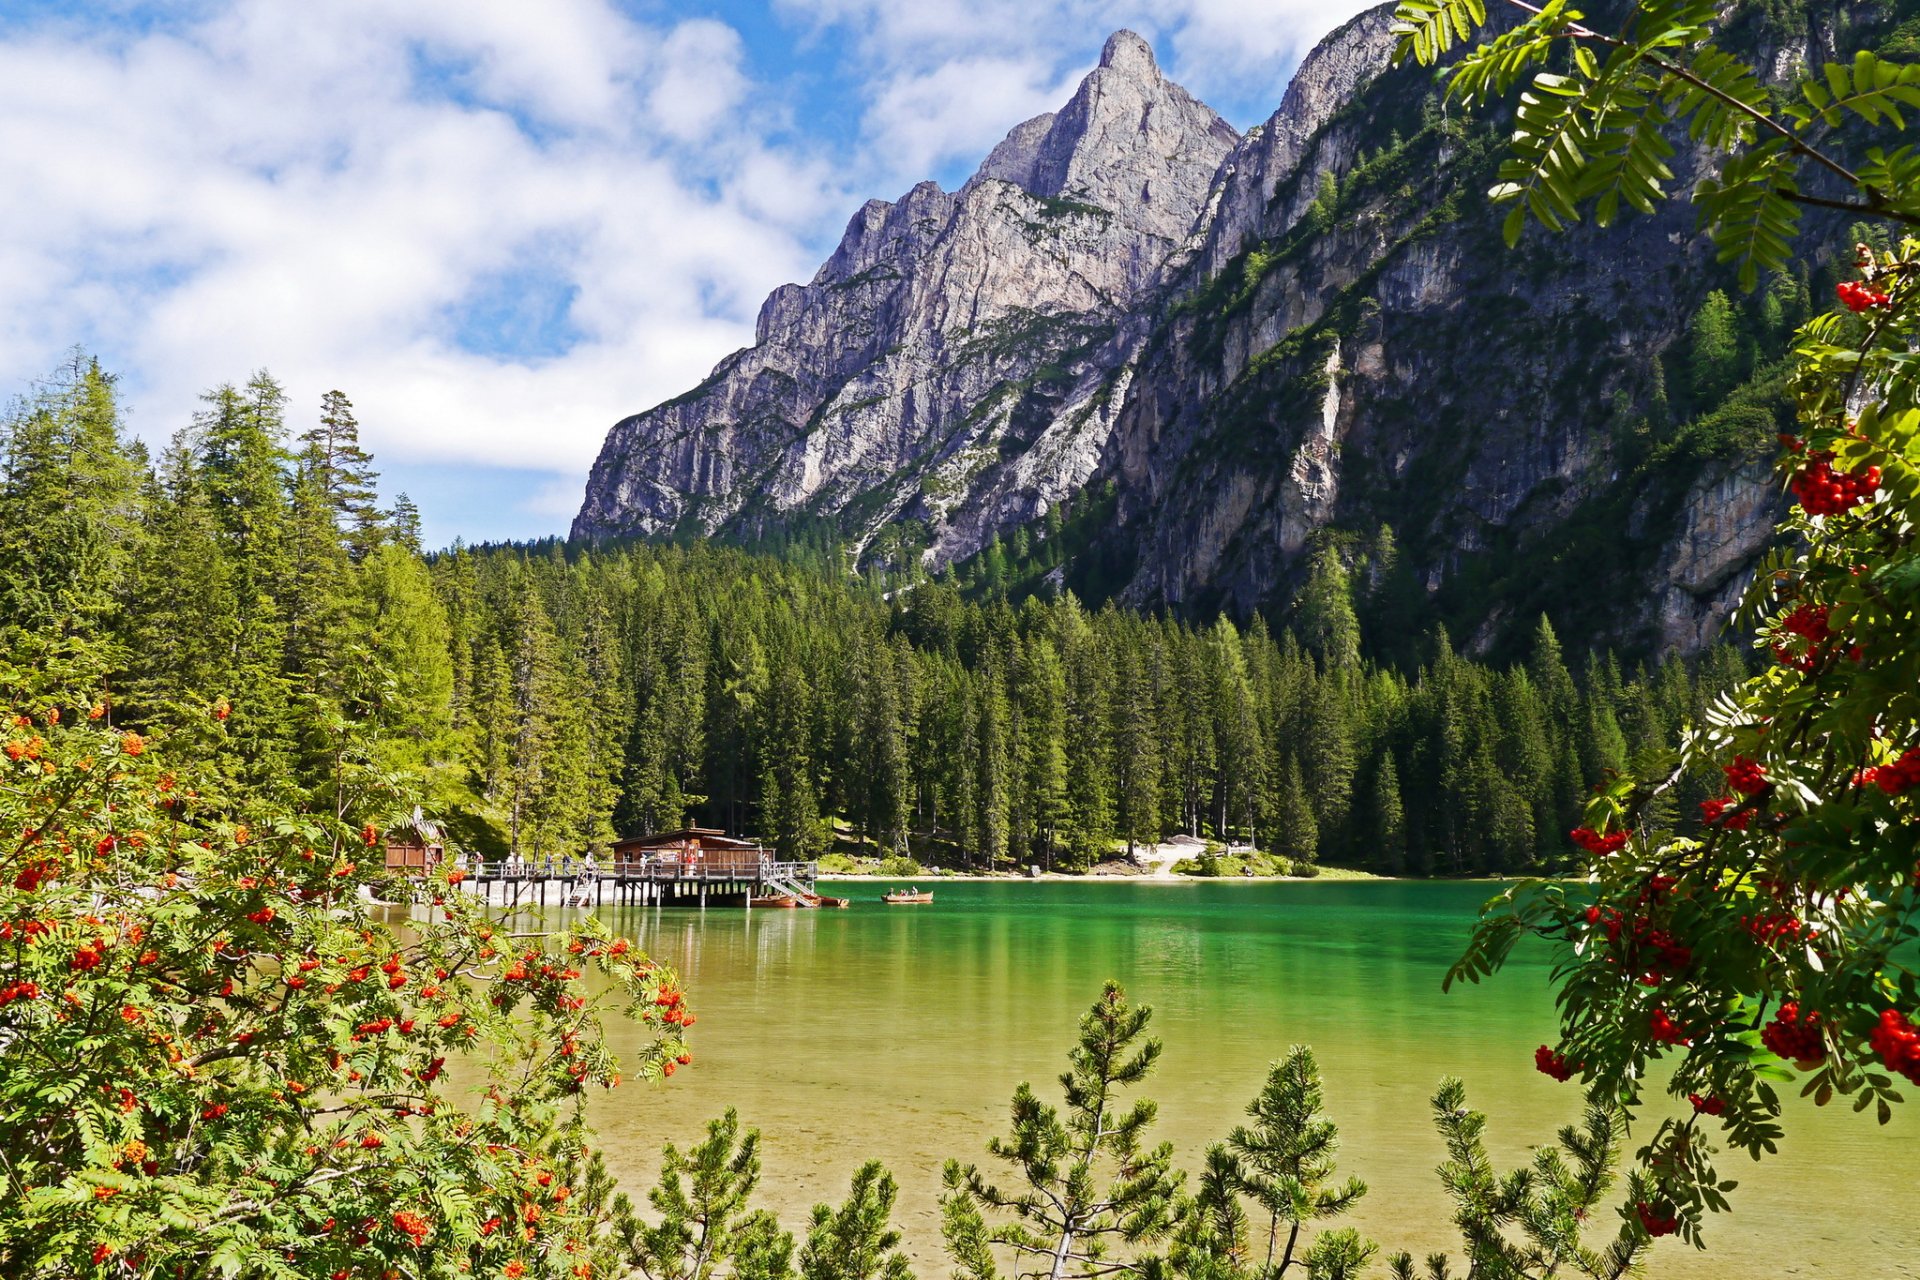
(724, 865)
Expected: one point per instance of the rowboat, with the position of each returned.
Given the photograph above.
(901, 896)
(773, 900)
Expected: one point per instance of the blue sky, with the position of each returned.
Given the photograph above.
(499, 226)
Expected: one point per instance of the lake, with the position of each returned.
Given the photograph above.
(900, 1033)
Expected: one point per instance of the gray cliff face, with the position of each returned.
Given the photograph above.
(1346, 345)
(1245, 346)
(955, 366)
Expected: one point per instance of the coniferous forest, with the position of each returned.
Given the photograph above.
(550, 696)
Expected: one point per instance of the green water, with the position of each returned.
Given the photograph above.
(899, 1033)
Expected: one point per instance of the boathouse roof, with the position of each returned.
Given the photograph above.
(685, 838)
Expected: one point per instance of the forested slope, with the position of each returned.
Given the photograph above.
(246, 589)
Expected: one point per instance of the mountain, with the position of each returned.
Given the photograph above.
(1144, 357)
(956, 365)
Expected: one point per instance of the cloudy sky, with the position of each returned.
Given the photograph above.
(500, 225)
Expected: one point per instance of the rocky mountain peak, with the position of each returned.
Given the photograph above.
(954, 365)
(1130, 143)
(1127, 53)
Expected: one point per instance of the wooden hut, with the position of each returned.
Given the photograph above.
(416, 846)
(690, 851)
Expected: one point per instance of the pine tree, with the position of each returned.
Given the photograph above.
(403, 522)
(183, 582)
(1284, 1161)
(1328, 625)
(1331, 761)
(790, 809)
(1085, 1181)
(410, 640)
(1042, 692)
(1235, 717)
(857, 1241)
(1136, 745)
(1088, 671)
(704, 1223)
(993, 790)
(883, 795)
(71, 502)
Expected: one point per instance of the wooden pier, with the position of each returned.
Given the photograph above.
(693, 867)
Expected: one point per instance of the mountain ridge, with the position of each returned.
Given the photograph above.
(1302, 363)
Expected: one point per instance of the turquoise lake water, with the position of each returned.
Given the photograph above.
(900, 1033)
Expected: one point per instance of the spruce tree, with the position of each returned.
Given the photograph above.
(1328, 624)
(343, 473)
(1713, 349)
(70, 509)
(1295, 829)
(1389, 841)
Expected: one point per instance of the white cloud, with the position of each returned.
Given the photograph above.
(328, 190)
(958, 110)
(700, 82)
(1219, 49)
(318, 190)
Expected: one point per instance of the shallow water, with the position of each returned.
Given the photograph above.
(900, 1032)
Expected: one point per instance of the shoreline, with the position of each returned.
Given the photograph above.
(1338, 876)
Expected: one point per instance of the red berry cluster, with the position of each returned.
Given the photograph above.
(414, 1225)
(1595, 843)
(1549, 1063)
(1607, 918)
(1658, 1222)
(1897, 1041)
(18, 991)
(1708, 1106)
(1664, 1030)
(1858, 297)
(1715, 813)
(1745, 776)
(1822, 491)
(1778, 927)
(1810, 623)
(1794, 1037)
(1672, 955)
(1902, 775)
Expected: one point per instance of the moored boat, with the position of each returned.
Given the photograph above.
(900, 896)
(773, 900)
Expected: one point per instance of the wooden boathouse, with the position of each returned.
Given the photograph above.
(416, 847)
(690, 866)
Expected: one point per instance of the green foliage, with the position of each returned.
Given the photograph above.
(1531, 1221)
(1781, 930)
(703, 1224)
(1284, 1163)
(1591, 131)
(548, 698)
(1713, 349)
(1084, 1186)
(215, 1058)
(1074, 1209)
(857, 1241)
